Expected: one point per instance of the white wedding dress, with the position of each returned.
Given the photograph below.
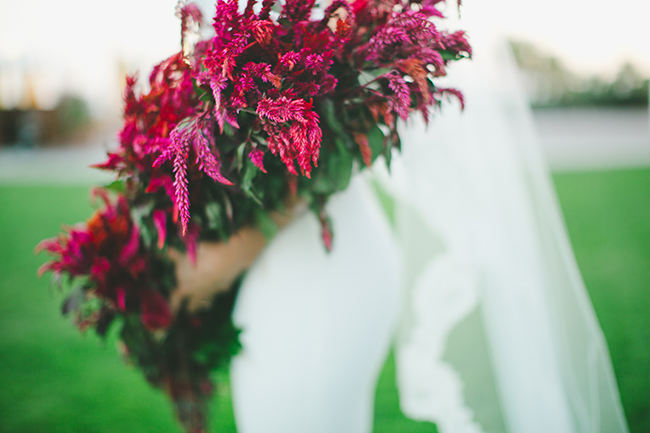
(477, 287)
(317, 327)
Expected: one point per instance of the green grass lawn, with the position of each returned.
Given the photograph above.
(608, 217)
(54, 380)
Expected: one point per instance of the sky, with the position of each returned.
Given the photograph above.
(590, 36)
(78, 45)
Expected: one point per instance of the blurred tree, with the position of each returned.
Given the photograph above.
(549, 83)
(71, 114)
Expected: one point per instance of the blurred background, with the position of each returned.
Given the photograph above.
(584, 64)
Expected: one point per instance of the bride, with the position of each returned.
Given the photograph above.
(475, 285)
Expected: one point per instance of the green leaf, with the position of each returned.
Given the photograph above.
(241, 149)
(334, 171)
(381, 71)
(376, 141)
(213, 214)
(250, 171)
(202, 93)
(228, 131)
(117, 186)
(104, 322)
(115, 329)
(448, 55)
(365, 77)
(332, 121)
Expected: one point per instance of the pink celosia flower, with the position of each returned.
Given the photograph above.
(293, 131)
(257, 157)
(108, 251)
(160, 223)
(280, 70)
(400, 101)
(190, 139)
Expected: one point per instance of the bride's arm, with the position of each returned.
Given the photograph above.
(218, 264)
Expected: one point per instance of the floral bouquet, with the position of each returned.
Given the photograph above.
(283, 103)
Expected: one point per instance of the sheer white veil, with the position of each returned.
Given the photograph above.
(498, 333)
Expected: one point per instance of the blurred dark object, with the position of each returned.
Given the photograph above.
(549, 83)
(26, 127)
(31, 126)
